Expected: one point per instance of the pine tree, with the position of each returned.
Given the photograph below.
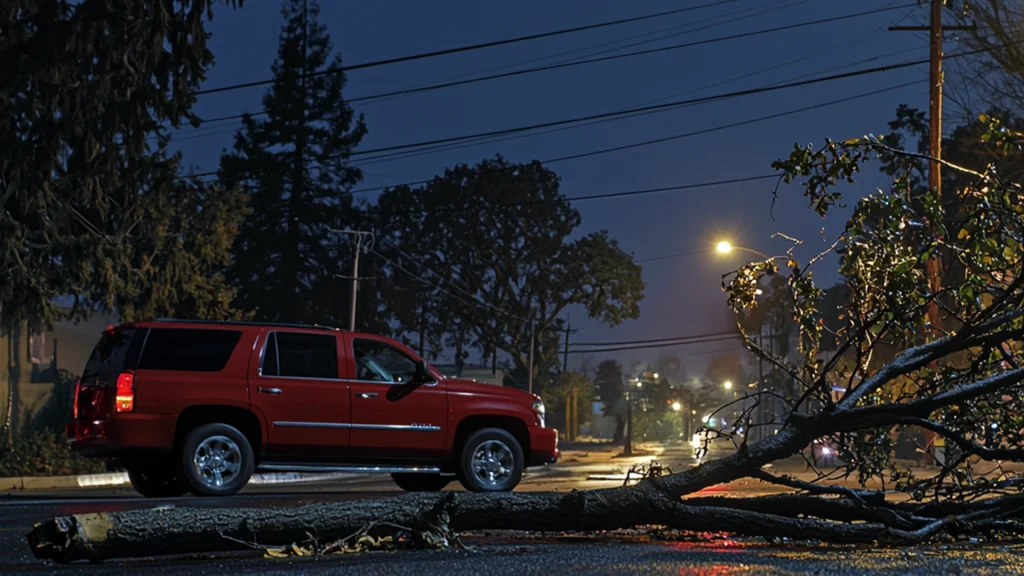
(90, 205)
(294, 166)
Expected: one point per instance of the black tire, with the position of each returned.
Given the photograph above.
(239, 462)
(156, 481)
(420, 482)
(514, 469)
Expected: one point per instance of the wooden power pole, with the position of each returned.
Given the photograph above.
(935, 30)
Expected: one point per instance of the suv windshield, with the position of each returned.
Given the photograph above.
(108, 358)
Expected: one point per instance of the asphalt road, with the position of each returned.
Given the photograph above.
(491, 555)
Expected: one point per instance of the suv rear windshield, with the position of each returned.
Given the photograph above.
(117, 350)
(188, 349)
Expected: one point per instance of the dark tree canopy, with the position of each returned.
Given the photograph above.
(487, 248)
(90, 203)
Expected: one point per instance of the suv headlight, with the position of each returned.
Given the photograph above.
(538, 410)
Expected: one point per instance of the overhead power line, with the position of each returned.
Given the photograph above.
(690, 27)
(664, 106)
(394, 156)
(678, 255)
(563, 65)
(649, 346)
(471, 47)
(602, 196)
(730, 333)
(643, 143)
(451, 84)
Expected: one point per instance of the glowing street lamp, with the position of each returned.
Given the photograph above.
(725, 247)
(728, 385)
(676, 406)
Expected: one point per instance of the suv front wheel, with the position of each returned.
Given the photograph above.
(216, 460)
(491, 460)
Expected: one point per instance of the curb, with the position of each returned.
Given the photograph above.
(115, 479)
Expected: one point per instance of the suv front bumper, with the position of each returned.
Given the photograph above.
(543, 446)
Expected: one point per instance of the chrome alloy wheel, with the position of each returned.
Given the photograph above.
(218, 459)
(493, 463)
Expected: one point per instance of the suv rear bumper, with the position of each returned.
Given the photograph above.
(543, 446)
(127, 433)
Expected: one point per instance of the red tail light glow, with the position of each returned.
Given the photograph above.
(74, 406)
(125, 399)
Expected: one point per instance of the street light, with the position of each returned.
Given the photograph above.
(676, 406)
(655, 375)
(728, 385)
(725, 247)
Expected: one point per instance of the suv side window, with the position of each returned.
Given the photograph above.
(300, 355)
(188, 349)
(379, 362)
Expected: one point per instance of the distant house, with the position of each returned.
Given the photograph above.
(32, 355)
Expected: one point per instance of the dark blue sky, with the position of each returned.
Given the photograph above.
(683, 295)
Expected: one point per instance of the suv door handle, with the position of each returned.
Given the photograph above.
(367, 394)
(270, 390)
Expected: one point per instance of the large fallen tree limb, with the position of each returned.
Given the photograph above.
(143, 533)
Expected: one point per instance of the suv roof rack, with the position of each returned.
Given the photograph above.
(245, 323)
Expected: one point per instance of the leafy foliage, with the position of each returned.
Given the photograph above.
(964, 383)
(481, 250)
(84, 89)
(40, 448)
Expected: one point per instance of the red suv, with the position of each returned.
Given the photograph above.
(190, 406)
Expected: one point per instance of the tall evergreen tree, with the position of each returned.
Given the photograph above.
(90, 204)
(294, 166)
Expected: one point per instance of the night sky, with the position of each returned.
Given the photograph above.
(683, 294)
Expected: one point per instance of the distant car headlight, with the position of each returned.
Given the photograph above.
(538, 409)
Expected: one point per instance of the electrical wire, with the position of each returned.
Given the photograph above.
(730, 333)
(470, 47)
(650, 346)
(655, 140)
(569, 199)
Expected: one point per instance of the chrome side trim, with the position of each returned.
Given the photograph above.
(397, 427)
(357, 469)
(312, 425)
(303, 378)
(418, 427)
(354, 381)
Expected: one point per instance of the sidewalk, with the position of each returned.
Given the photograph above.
(119, 479)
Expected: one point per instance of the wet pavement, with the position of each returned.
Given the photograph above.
(594, 558)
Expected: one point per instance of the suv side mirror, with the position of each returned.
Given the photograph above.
(423, 375)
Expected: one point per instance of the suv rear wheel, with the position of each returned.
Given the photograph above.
(154, 481)
(491, 460)
(216, 460)
(420, 482)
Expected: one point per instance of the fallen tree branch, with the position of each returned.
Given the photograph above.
(141, 533)
(860, 496)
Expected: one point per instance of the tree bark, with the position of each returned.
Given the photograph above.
(141, 533)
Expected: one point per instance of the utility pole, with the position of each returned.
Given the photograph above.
(565, 354)
(533, 339)
(359, 234)
(627, 450)
(935, 30)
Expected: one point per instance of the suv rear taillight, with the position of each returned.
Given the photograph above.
(124, 401)
(74, 406)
